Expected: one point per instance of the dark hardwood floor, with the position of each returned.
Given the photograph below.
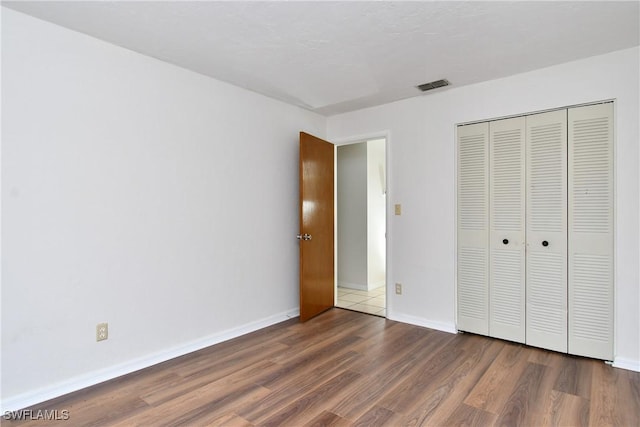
(345, 368)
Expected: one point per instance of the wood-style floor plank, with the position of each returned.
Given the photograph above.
(292, 387)
(378, 416)
(604, 407)
(328, 419)
(562, 409)
(439, 407)
(521, 404)
(312, 403)
(344, 368)
(466, 415)
(496, 385)
(575, 376)
(396, 366)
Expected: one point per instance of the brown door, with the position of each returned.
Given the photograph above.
(316, 226)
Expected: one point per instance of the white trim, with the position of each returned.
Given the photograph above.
(356, 286)
(546, 110)
(362, 286)
(629, 364)
(30, 398)
(426, 323)
(376, 285)
(455, 146)
(386, 134)
(355, 139)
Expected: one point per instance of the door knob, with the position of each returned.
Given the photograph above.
(304, 236)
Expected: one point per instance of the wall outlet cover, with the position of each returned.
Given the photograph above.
(102, 331)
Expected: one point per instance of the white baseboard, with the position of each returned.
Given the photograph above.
(357, 286)
(361, 286)
(628, 364)
(376, 285)
(419, 321)
(34, 397)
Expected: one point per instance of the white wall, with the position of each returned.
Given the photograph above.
(422, 177)
(376, 214)
(352, 215)
(140, 194)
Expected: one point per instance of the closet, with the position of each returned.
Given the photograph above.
(535, 229)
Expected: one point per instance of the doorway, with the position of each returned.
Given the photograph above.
(361, 226)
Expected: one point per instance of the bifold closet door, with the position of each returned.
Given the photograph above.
(546, 259)
(473, 228)
(591, 231)
(507, 229)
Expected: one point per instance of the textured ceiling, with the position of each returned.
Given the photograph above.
(332, 57)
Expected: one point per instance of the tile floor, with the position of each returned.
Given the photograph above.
(371, 302)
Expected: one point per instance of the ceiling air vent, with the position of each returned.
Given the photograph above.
(433, 85)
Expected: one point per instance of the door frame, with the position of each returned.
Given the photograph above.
(355, 139)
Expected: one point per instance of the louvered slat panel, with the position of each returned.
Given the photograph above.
(590, 176)
(546, 288)
(506, 293)
(546, 272)
(472, 295)
(472, 184)
(546, 301)
(506, 178)
(590, 317)
(591, 231)
(547, 188)
(473, 228)
(506, 213)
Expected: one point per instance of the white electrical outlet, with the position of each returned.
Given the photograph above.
(399, 288)
(102, 331)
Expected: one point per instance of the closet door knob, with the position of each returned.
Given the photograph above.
(505, 241)
(545, 243)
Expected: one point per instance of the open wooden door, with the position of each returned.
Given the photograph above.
(316, 226)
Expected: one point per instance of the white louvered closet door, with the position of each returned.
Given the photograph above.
(507, 229)
(546, 276)
(591, 231)
(473, 226)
